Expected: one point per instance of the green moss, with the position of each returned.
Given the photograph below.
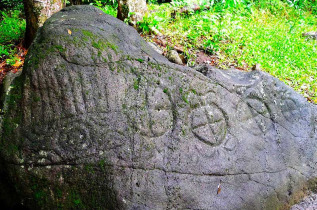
(60, 48)
(184, 97)
(40, 191)
(81, 188)
(112, 46)
(137, 83)
(98, 42)
(101, 45)
(58, 192)
(194, 106)
(80, 80)
(183, 132)
(111, 67)
(98, 45)
(63, 67)
(36, 98)
(88, 33)
(109, 56)
(89, 168)
(34, 59)
(39, 195)
(140, 60)
(102, 163)
(93, 58)
(77, 41)
(312, 185)
(12, 118)
(77, 202)
(165, 90)
(40, 51)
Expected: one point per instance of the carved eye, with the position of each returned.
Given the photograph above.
(209, 125)
(74, 137)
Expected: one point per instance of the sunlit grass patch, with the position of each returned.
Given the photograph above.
(12, 29)
(248, 34)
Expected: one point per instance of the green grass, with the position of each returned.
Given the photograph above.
(265, 32)
(12, 29)
(109, 7)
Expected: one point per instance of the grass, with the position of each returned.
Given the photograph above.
(109, 7)
(242, 34)
(12, 29)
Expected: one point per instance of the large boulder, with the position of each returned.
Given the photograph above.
(99, 120)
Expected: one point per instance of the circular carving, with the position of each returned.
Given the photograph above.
(151, 111)
(209, 124)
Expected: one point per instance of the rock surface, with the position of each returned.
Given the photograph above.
(174, 57)
(308, 203)
(99, 120)
(310, 35)
(155, 47)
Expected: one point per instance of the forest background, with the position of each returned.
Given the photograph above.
(244, 34)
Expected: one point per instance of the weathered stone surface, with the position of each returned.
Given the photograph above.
(156, 48)
(310, 35)
(99, 120)
(308, 203)
(173, 56)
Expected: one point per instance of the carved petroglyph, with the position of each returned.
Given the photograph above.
(260, 114)
(289, 108)
(151, 129)
(254, 111)
(78, 136)
(152, 114)
(209, 125)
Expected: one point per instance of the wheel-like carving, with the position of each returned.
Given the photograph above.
(209, 124)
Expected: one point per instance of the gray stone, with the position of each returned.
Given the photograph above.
(308, 203)
(5, 85)
(155, 47)
(99, 120)
(310, 35)
(173, 56)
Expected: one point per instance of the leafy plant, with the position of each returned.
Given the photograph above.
(12, 29)
(11, 5)
(107, 6)
(242, 33)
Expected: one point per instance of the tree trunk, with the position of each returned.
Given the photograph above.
(76, 2)
(132, 10)
(36, 13)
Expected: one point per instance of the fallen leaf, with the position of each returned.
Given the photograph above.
(69, 32)
(18, 63)
(219, 187)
